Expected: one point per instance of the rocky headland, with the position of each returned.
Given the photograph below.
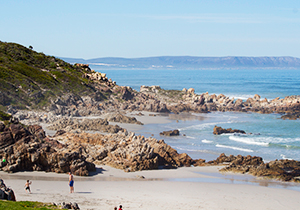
(70, 98)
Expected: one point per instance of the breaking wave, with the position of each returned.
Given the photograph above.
(246, 140)
(234, 148)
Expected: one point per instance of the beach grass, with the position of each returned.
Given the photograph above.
(20, 205)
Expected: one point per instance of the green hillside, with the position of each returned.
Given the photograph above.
(26, 205)
(31, 79)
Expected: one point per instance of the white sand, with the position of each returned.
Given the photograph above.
(111, 187)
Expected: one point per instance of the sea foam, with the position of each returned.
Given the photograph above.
(206, 141)
(246, 140)
(234, 148)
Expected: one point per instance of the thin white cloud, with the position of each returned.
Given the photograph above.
(210, 18)
(218, 18)
(229, 18)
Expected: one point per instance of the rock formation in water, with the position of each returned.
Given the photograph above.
(170, 133)
(219, 130)
(283, 170)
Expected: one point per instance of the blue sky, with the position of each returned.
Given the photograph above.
(142, 28)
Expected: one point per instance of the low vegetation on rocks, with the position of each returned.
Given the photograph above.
(31, 79)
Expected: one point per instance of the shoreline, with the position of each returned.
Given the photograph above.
(202, 174)
(160, 189)
(182, 188)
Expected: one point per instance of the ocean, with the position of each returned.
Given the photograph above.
(267, 136)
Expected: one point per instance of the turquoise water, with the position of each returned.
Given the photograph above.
(271, 137)
(233, 83)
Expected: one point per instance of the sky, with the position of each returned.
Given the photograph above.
(145, 28)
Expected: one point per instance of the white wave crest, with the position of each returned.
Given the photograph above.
(190, 137)
(206, 141)
(280, 140)
(284, 157)
(234, 148)
(246, 140)
(241, 96)
(200, 126)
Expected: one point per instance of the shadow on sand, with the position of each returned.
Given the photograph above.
(98, 171)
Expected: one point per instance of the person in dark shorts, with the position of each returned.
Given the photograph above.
(71, 182)
(27, 187)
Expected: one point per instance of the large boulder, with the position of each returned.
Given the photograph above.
(6, 193)
(170, 133)
(219, 130)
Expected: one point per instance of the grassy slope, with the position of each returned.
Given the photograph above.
(28, 78)
(25, 205)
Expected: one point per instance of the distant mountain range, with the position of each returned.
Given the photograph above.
(190, 62)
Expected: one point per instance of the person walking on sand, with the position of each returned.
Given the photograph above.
(120, 208)
(27, 187)
(71, 182)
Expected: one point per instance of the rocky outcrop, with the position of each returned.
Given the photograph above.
(291, 116)
(30, 150)
(6, 193)
(283, 170)
(27, 149)
(70, 205)
(112, 98)
(237, 160)
(126, 151)
(189, 101)
(78, 125)
(118, 117)
(220, 130)
(170, 133)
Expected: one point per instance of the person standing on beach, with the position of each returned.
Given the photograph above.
(71, 182)
(27, 187)
(120, 207)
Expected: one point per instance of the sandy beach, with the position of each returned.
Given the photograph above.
(183, 188)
